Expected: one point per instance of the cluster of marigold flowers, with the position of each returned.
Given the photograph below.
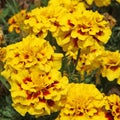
(32, 66)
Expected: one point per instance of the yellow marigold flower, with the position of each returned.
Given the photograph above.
(82, 30)
(110, 65)
(52, 16)
(113, 105)
(101, 3)
(41, 20)
(30, 52)
(38, 93)
(17, 22)
(83, 102)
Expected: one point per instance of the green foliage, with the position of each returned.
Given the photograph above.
(114, 42)
(4, 82)
(11, 38)
(6, 110)
(44, 2)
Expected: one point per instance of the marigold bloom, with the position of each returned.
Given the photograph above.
(32, 52)
(37, 92)
(113, 105)
(44, 19)
(83, 102)
(78, 31)
(110, 65)
(17, 21)
(31, 67)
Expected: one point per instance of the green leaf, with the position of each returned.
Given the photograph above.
(4, 82)
(4, 13)
(6, 110)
